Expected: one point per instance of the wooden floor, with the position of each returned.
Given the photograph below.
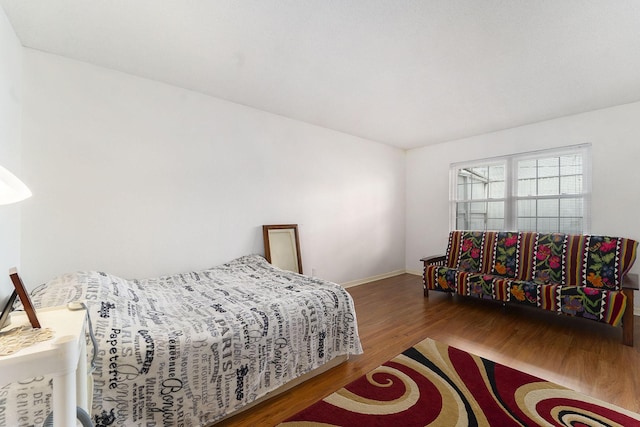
(393, 315)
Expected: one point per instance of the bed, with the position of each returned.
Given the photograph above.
(193, 348)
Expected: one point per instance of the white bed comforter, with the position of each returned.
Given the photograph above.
(185, 350)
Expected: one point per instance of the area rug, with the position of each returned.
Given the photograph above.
(432, 384)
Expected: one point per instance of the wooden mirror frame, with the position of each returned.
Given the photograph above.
(287, 246)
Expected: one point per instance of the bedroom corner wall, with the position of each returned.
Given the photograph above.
(140, 179)
(10, 94)
(613, 133)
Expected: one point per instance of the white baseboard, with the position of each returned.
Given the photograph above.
(372, 278)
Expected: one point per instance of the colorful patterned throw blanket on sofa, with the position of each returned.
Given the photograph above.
(577, 275)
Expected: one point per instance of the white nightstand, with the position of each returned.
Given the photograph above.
(64, 357)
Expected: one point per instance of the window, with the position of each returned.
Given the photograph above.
(545, 191)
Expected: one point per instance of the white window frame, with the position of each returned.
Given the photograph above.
(511, 196)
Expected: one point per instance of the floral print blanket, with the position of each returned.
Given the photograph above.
(578, 275)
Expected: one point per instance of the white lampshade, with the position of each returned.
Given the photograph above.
(12, 190)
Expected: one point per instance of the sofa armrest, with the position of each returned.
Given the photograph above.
(434, 260)
(439, 260)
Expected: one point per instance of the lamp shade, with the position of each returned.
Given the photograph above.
(12, 190)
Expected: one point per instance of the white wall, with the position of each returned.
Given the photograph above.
(613, 132)
(10, 88)
(140, 179)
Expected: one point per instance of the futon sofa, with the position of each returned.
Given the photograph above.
(577, 275)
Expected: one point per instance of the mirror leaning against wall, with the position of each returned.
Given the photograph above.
(282, 246)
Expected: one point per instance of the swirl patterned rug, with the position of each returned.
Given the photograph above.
(432, 384)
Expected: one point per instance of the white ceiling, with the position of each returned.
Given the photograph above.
(401, 72)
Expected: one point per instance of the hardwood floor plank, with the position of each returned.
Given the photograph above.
(393, 315)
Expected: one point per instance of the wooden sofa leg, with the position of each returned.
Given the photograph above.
(627, 319)
(424, 283)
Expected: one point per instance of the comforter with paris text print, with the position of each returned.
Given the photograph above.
(187, 349)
